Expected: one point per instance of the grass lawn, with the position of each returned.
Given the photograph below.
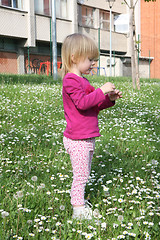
(36, 174)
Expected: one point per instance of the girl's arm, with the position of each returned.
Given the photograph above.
(106, 103)
(110, 99)
(82, 101)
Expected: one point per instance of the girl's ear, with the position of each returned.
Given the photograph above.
(73, 59)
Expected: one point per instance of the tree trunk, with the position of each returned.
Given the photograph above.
(134, 55)
(132, 44)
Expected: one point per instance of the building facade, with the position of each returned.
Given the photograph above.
(26, 37)
(150, 35)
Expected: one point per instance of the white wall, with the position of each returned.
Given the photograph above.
(103, 4)
(13, 23)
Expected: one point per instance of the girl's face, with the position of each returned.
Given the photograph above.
(84, 66)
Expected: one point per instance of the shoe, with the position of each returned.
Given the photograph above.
(85, 213)
(95, 213)
(87, 204)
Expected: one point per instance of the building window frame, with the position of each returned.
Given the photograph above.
(104, 20)
(43, 7)
(16, 4)
(87, 16)
(61, 9)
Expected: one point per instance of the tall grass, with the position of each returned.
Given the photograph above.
(36, 174)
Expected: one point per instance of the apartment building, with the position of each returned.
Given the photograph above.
(25, 34)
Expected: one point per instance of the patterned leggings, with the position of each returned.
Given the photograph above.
(81, 154)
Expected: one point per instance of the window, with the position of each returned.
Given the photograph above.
(47, 7)
(42, 7)
(87, 15)
(104, 20)
(8, 44)
(12, 3)
(6, 3)
(61, 8)
(1, 43)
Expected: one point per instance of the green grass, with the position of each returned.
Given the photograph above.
(124, 182)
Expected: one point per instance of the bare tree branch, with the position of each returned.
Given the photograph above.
(126, 3)
(135, 3)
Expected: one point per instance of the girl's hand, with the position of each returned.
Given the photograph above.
(114, 95)
(107, 87)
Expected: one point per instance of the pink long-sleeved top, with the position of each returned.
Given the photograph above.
(82, 104)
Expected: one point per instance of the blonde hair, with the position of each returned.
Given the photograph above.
(81, 47)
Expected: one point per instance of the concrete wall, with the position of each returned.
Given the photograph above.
(13, 23)
(103, 4)
(144, 68)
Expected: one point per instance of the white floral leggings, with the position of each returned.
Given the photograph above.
(81, 154)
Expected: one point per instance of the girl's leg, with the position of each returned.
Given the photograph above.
(81, 153)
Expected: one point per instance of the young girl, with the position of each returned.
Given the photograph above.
(82, 104)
